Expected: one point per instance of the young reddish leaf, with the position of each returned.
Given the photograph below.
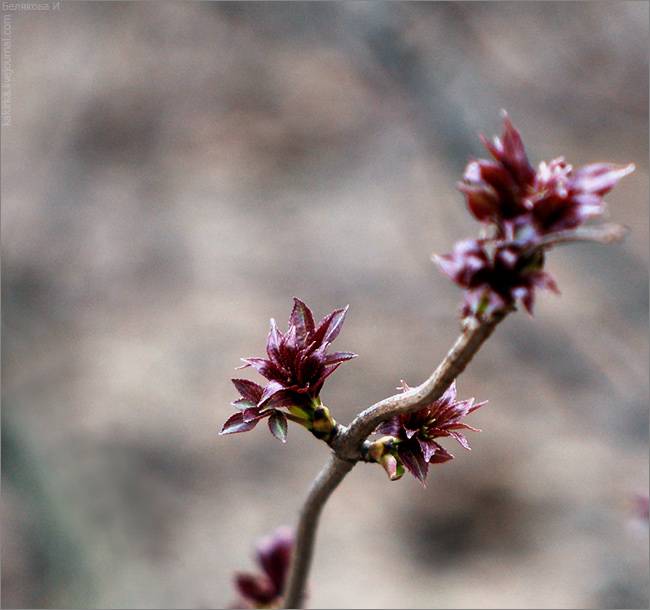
(599, 178)
(243, 404)
(274, 342)
(460, 438)
(249, 390)
(278, 425)
(235, 423)
(252, 414)
(339, 357)
(274, 555)
(335, 324)
(414, 463)
(302, 319)
(272, 388)
(428, 448)
(264, 367)
(441, 456)
(256, 587)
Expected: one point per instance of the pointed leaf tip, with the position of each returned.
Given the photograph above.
(301, 319)
(335, 323)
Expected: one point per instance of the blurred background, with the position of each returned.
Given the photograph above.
(175, 172)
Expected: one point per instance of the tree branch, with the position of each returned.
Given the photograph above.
(347, 443)
(324, 484)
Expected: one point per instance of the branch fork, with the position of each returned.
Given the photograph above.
(527, 211)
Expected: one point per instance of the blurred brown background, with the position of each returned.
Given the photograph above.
(175, 172)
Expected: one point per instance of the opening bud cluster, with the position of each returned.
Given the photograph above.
(522, 208)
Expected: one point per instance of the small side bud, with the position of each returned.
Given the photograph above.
(324, 427)
(384, 452)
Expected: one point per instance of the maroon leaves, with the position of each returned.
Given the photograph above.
(302, 320)
(524, 207)
(412, 443)
(274, 555)
(296, 368)
(496, 190)
(249, 390)
(563, 200)
(495, 279)
(510, 153)
(599, 178)
(265, 589)
(236, 423)
(249, 413)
